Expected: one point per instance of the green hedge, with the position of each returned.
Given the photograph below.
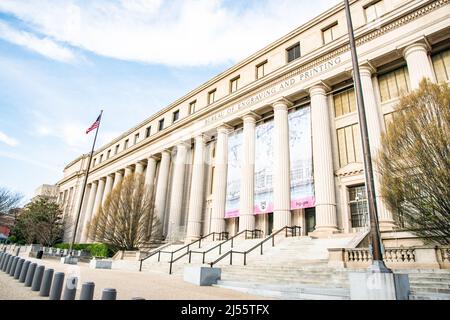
(95, 249)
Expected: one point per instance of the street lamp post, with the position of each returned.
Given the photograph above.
(375, 238)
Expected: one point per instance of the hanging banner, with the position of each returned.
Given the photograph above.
(264, 168)
(233, 174)
(302, 181)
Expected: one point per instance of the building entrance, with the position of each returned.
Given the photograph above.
(310, 217)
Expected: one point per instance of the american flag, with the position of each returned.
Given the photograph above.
(94, 125)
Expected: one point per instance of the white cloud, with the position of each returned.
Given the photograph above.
(8, 140)
(29, 160)
(43, 46)
(183, 32)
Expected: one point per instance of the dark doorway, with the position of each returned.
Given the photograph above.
(270, 220)
(310, 217)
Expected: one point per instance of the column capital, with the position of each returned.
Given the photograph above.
(282, 104)
(166, 152)
(183, 143)
(319, 87)
(414, 47)
(224, 128)
(367, 69)
(202, 137)
(251, 117)
(153, 157)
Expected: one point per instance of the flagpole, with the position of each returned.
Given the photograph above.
(84, 187)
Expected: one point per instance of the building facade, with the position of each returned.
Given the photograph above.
(274, 140)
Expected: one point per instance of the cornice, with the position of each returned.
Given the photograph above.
(330, 51)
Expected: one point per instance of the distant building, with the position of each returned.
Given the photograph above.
(47, 191)
(7, 222)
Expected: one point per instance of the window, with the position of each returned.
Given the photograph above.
(234, 83)
(261, 70)
(349, 145)
(161, 124)
(108, 154)
(358, 206)
(175, 116)
(344, 102)
(136, 138)
(192, 106)
(329, 33)
(441, 65)
(93, 163)
(101, 159)
(293, 52)
(117, 149)
(394, 84)
(374, 10)
(389, 117)
(147, 131)
(212, 96)
(125, 145)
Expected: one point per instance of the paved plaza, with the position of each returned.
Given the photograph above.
(129, 284)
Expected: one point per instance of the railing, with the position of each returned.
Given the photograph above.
(254, 234)
(220, 235)
(395, 255)
(292, 229)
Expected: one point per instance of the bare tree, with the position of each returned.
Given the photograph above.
(41, 221)
(414, 162)
(123, 220)
(8, 200)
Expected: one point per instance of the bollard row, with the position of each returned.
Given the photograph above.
(48, 283)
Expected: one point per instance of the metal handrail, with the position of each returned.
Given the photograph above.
(253, 233)
(293, 230)
(221, 234)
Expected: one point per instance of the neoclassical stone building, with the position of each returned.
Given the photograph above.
(274, 140)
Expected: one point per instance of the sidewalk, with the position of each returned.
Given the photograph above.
(129, 284)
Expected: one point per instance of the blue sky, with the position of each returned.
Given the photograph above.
(62, 61)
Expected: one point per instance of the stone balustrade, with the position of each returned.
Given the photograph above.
(396, 258)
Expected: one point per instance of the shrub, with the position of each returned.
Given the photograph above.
(95, 249)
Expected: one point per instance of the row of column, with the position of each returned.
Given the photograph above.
(326, 219)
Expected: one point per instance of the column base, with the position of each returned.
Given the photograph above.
(386, 225)
(323, 232)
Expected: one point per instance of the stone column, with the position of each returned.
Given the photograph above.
(220, 180)
(419, 66)
(176, 198)
(139, 168)
(108, 187)
(128, 171)
(246, 207)
(89, 208)
(150, 185)
(194, 227)
(117, 178)
(281, 172)
(374, 130)
(97, 202)
(150, 174)
(161, 188)
(326, 220)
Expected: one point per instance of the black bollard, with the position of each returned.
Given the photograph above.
(44, 291)
(109, 294)
(2, 256)
(5, 263)
(24, 271)
(30, 274)
(18, 268)
(13, 266)
(2, 262)
(57, 285)
(70, 289)
(8, 266)
(37, 280)
(87, 291)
